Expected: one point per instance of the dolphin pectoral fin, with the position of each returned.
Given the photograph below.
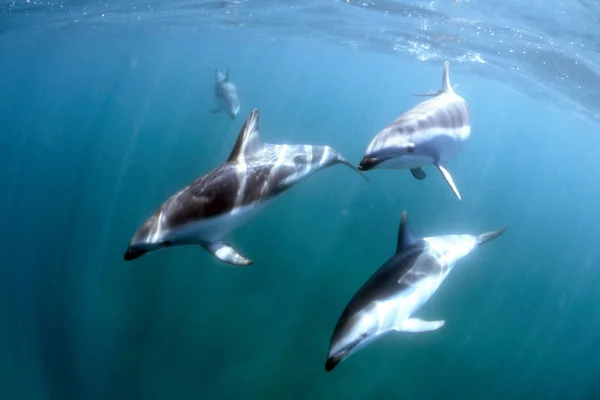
(226, 253)
(417, 325)
(418, 173)
(215, 110)
(448, 179)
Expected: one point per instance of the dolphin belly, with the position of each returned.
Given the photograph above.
(413, 298)
(214, 228)
(224, 103)
(405, 162)
(446, 145)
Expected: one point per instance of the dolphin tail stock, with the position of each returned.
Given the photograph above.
(486, 237)
(226, 253)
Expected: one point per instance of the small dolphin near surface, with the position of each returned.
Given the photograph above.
(226, 94)
(225, 198)
(388, 300)
(431, 133)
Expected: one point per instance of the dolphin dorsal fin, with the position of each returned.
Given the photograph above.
(248, 141)
(446, 87)
(227, 73)
(405, 236)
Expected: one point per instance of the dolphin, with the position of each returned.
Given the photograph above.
(226, 94)
(432, 132)
(388, 300)
(225, 198)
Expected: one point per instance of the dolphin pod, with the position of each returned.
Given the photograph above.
(217, 203)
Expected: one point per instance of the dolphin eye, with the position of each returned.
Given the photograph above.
(410, 148)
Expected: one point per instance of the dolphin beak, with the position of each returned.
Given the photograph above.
(368, 163)
(132, 253)
(332, 362)
(334, 359)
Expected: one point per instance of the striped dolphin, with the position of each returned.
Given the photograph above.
(399, 288)
(225, 198)
(432, 132)
(226, 94)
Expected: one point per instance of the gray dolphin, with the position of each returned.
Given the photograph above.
(225, 198)
(431, 133)
(388, 300)
(226, 94)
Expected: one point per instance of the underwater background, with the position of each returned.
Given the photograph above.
(105, 112)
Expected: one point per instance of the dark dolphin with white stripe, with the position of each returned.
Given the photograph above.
(225, 198)
(226, 94)
(431, 133)
(388, 300)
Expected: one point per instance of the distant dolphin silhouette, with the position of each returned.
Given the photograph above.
(388, 300)
(433, 132)
(225, 198)
(226, 94)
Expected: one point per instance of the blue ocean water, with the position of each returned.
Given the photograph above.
(102, 121)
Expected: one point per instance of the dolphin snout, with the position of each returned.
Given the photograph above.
(132, 253)
(368, 163)
(333, 361)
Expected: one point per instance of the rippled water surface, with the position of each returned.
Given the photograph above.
(547, 48)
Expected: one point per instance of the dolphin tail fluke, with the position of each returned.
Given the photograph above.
(226, 253)
(448, 179)
(342, 160)
(486, 237)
